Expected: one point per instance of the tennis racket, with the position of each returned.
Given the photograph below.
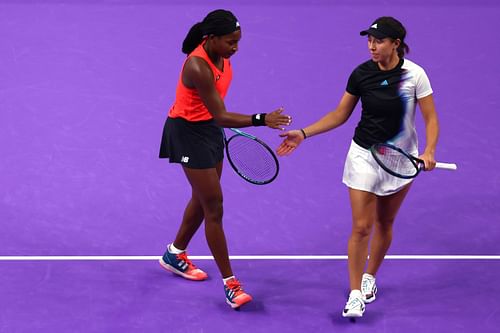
(251, 158)
(401, 164)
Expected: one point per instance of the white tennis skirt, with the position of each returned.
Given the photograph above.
(361, 172)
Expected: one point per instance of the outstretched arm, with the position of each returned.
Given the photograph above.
(198, 75)
(330, 121)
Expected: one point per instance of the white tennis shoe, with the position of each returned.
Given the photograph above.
(355, 307)
(368, 288)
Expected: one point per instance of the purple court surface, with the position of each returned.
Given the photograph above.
(87, 208)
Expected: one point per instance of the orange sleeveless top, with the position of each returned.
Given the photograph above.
(188, 104)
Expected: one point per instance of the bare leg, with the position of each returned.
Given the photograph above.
(387, 208)
(206, 187)
(192, 219)
(364, 207)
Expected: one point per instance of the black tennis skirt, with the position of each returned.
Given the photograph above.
(196, 145)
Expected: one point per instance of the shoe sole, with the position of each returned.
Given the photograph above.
(369, 300)
(237, 306)
(172, 269)
(352, 315)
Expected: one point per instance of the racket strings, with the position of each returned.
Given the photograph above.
(396, 161)
(252, 159)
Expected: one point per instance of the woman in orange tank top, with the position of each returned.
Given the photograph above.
(192, 137)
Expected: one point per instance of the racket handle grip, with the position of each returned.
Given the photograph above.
(447, 166)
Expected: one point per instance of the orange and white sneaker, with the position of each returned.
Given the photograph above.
(181, 265)
(235, 296)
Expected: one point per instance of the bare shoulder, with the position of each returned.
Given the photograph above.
(198, 66)
(196, 69)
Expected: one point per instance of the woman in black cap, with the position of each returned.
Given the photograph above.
(390, 87)
(192, 137)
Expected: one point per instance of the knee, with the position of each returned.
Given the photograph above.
(361, 230)
(385, 226)
(213, 209)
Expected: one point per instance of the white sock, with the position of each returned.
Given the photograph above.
(172, 249)
(355, 293)
(228, 278)
(369, 276)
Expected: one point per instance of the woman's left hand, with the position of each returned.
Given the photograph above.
(429, 161)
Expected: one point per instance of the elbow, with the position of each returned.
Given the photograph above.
(432, 121)
(339, 120)
(221, 119)
(343, 121)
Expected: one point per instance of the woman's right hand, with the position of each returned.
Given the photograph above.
(277, 120)
(292, 140)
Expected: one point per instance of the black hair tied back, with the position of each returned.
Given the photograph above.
(397, 26)
(193, 38)
(219, 22)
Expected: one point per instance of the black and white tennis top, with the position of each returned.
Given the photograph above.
(388, 101)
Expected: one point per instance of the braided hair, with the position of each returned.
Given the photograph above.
(218, 22)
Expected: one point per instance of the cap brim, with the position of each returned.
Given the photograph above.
(374, 32)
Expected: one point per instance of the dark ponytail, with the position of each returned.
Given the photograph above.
(397, 26)
(193, 38)
(402, 49)
(390, 27)
(219, 22)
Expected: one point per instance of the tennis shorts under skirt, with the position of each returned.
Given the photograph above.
(361, 172)
(195, 145)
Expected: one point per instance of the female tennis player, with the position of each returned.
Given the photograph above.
(389, 86)
(192, 137)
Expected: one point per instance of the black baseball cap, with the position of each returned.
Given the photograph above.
(380, 29)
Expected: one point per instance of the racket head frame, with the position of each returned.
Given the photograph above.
(237, 133)
(416, 162)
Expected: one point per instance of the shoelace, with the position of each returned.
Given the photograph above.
(235, 286)
(183, 256)
(367, 284)
(354, 302)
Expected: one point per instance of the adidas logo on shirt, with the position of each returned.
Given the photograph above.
(384, 83)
